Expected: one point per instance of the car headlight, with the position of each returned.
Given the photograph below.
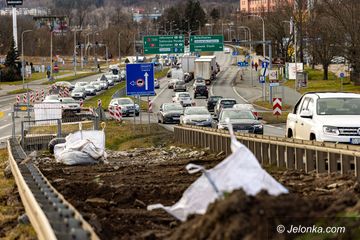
(258, 126)
(137, 107)
(220, 126)
(331, 130)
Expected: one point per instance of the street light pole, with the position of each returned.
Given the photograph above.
(119, 35)
(22, 53)
(263, 32)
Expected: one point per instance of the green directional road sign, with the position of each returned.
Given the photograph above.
(164, 44)
(207, 43)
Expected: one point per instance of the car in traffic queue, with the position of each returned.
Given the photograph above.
(197, 116)
(201, 91)
(242, 121)
(70, 104)
(97, 85)
(126, 105)
(183, 98)
(53, 98)
(247, 106)
(64, 84)
(90, 90)
(199, 82)
(326, 117)
(78, 93)
(103, 83)
(113, 77)
(80, 84)
(180, 86)
(170, 113)
(122, 75)
(171, 82)
(224, 103)
(156, 83)
(211, 102)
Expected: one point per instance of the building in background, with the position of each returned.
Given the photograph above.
(255, 6)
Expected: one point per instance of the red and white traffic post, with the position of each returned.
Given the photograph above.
(277, 106)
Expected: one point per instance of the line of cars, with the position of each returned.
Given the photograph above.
(81, 90)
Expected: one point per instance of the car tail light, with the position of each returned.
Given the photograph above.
(256, 114)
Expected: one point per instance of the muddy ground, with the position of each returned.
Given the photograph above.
(113, 197)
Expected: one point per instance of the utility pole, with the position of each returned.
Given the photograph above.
(119, 35)
(15, 27)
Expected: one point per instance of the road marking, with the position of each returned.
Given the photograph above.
(157, 95)
(5, 126)
(280, 128)
(5, 110)
(6, 137)
(234, 89)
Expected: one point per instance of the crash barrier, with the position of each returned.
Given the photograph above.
(51, 216)
(279, 151)
(115, 113)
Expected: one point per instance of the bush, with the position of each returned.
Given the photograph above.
(10, 74)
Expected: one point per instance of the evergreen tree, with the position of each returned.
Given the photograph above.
(12, 56)
(215, 14)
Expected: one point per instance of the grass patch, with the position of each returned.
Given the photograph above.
(105, 96)
(11, 207)
(34, 77)
(124, 136)
(72, 78)
(19, 91)
(65, 128)
(162, 73)
(316, 84)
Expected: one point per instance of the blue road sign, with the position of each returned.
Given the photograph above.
(342, 75)
(235, 53)
(140, 79)
(243, 64)
(261, 79)
(264, 64)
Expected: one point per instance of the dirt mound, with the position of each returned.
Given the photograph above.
(239, 216)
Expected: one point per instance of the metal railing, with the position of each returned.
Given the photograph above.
(282, 152)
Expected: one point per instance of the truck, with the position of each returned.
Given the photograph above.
(326, 117)
(213, 63)
(203, 70)
(177, 73)
(188, 64)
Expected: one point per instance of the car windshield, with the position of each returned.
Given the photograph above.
(215, 98)
(201, 87)
(68, 100)
(173, 107)
(196, 111)
(52, 97)
(244, 106)
(90, 86)
(180, 83)
(228, 102)
(184, 95)
(125, 101)
(338, 106)
(78, 90)
(237, 115)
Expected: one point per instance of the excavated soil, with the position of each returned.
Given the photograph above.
(113, 197)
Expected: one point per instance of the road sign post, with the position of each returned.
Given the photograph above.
(165, 44)
(140, 79)
(206, 43)
(277, 106)
(341, 75)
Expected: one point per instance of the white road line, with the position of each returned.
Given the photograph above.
(280, 128)
(4, 138)
(157, 95)
(5, 110)
(5, 126)
(234, 89)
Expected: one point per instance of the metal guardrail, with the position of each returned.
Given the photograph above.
(50, 214)
(282, 152)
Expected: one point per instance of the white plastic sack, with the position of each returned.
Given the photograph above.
(240, 170)
(82, 147)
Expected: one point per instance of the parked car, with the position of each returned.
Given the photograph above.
(180, 86)
(326, 117)
(211, 102)
(247, 106)
(198, 116)
(97, 85)
(156, 83)
(90, 90)
(78, 93)
(242, 121)
(54, 98)
(70, 104)
(127, 106)
(171, 82)
(224, 103)
(80, 84)
(183, 98)
(170, 113)
(199, 82)
(64, 84)
(201, 91)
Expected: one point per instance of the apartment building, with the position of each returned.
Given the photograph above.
(254, 6)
